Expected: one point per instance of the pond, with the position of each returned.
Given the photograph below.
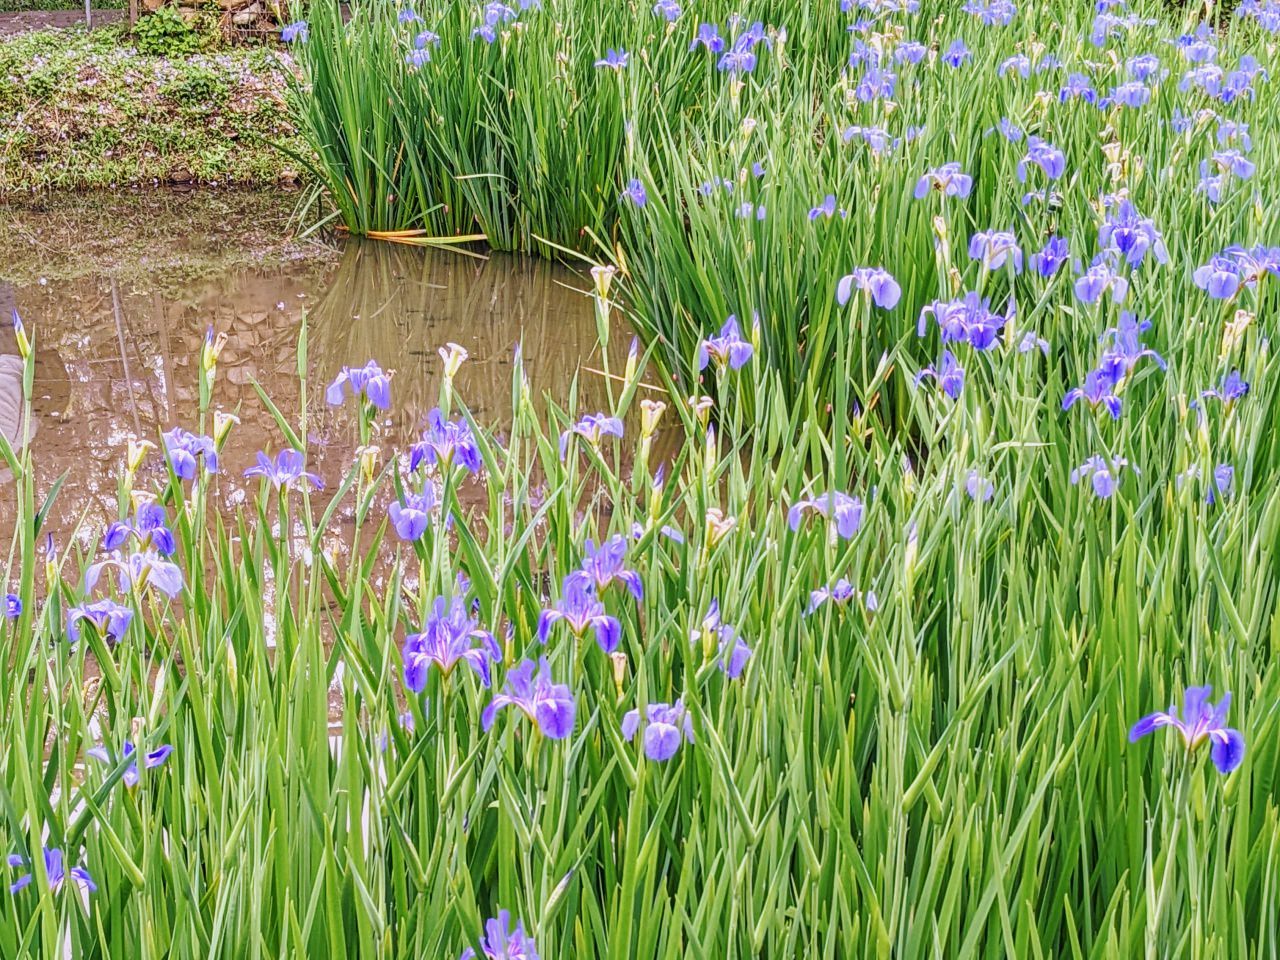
(120, 289)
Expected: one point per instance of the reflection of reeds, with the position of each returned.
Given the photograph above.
(399, 305)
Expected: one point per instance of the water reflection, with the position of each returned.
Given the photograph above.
(117, 348)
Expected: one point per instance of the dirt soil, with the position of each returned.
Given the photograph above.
(27, 20)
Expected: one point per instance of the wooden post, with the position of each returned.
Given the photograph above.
(133, 12)
(88, 15)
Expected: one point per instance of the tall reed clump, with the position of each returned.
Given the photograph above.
(741, 161)
(563, 695)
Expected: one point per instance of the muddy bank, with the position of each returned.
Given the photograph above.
(87, 110)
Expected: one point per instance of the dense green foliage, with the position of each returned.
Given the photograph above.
(166, 34)
(523, 140)
(946, 775)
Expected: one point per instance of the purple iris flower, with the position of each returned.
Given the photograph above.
(417, 58)
(845, 510)
(635, 192)
(1254, 263)
(948, 179)
(449, 636)
(755, 33)
(727, 349)
(407, 15)
(1239, 82)
(109, 618)
(1055, 252)
(496, 12)
(638, 530)
(593, 428)
(878, 139)
(445, 443)
(1077, 85)
(150, 760)
(1009, 130)
(1103, 475)
(732, 652)
(425, 39)
(1125, 348)
(1231, 131)
(708, 35)
(827, 208)
(582, 611)
(614, 60)
(501, 942)
(865, 53)
(882, 6)
(1044, 155)
(494, 15)
(1236, 162)
(1107, 25)
(367, 382)
(149, 528)
(876, 282)
(606, 563)
(1096, 391)
(296, 32)
(947, 372)
(1207, 77)
(666, 727)
(55, 870)
(909, 52)
(284, 471)
(737, 59)
(1019, 63)
(1233, 388)
(138, 570)
(549, 705)
(1210, 184)
(12, 608)
(1224, 478)
(840, 593)
(875, 84)
(1181, 122)
(1131, 235)
(995, 248)
(957, 55)
(1101, 277)
(1265, 12)
(1033, 341)
(979, 487)
(412, 517)
(185, 448)
(1143, 67)
(1132, 94)
(667, 10)
(1200, 720)
(992, 13)
(1220, 278)
(968, 319)
(1198, 47)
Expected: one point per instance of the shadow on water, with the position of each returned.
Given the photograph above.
(119, 322)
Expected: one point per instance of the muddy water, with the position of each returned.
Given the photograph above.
(120, 291)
